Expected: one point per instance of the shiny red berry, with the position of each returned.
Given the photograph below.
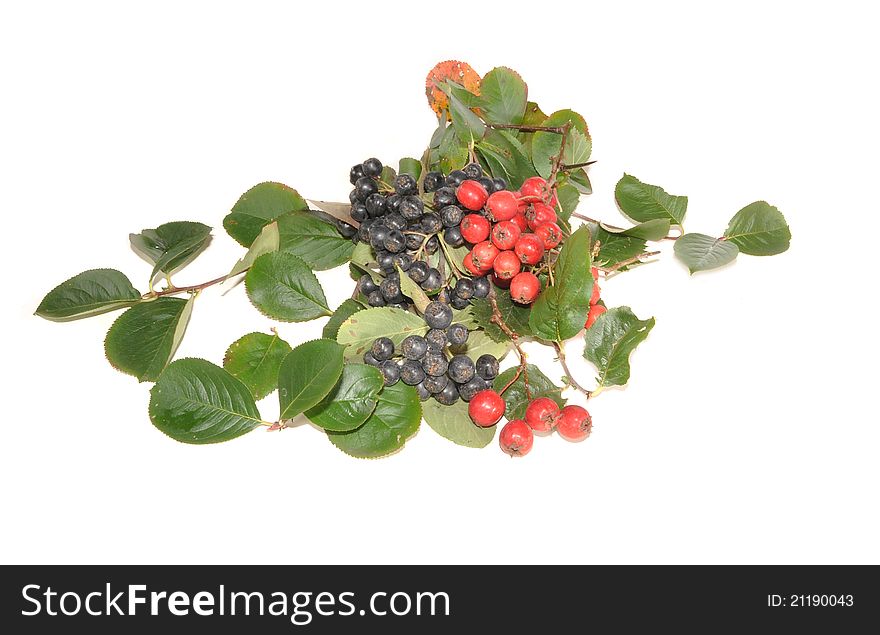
(486, 408)
(542, 414)
(483, 255)
(505, 234)
(538, 214)
(475, 228)
(574, 423)
(506, 265)
(550, 234)
(516, 438)
(502, 205)
(470, 266)
(530, 249)
(521, 221)
(535, 187)
(472, 195)
(524, 287)
(595, 311)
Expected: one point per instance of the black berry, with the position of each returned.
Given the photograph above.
(438, 315)
(356, 172)
(475, 385)
(359, 212)
(444, 196)
(395, 242)
(404, 261)
(499, 184)
(456, 178)
(451, 215)
(418, 271)
(382, 349)
(414, 347)
(481, 287)
(461, 369)
(431, 223)
(464, 288)
(365, 186)
(435, 383)
(435, 364)
(433, 282)
(433, 181)
(375, 299)
(487, 367)
(411, 372)
(376, 205)
(390, 289)
(411, 207)
(424, 393)
(390, 372)
(372, 167)
(447, 396)
(393, 220)
(453, 237)
(457, 334)
(436, 339)
(366, 285)
(370, 359)
(472, 171)
(405, 184)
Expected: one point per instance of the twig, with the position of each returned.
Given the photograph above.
(560, 353)
(191, 288)
(557, 160)
(613, 227)
(509, 332)
(509, 126)
(627, 262)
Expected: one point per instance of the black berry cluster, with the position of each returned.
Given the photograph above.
(430, 362)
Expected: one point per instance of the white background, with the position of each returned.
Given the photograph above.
(749, 430)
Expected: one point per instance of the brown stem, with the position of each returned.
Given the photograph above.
(557, 160)
(191, 288)
(510, 126)
(509, 332)
(613, 227)
(628, 261)
(560, 353)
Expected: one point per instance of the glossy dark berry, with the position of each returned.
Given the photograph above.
(433, 282)
(444, 196)
(481, 287)
(364, 230)
(471, 170)
(424, 393)
(461, 369)
(353, 197)
(487, 367)
(411, 207)
(438, 315)
(418, 271)
(451, 215)
(395, 242)
(435, 383)
(385, 261)
(404, 261)
(370, 359)
(435, 364)
(382, 349)
(356, 172)
(376, 205)
(499, 184)
(390, 289)
(487, 183)
(455, 178)
(375, 299)
(390, 372)
(405, 184)
(453, 237)
(447, 396)
(411, 372)
(414, 347)
(365, 186)
(459, 303)
(414, 240)
(457, 334)
(378, 234)
(372, 167)
(464, 288)
(392, 203)
(431, 223)
(393, 220)
(433, 181)
(475, 385)
(436, 339)
(432, 245)
(366, 285)
(359, 212)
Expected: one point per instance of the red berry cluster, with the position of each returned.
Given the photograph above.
(596, 309)
(509, 231)
(543, 415)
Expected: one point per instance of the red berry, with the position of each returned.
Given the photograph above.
(486, 408)
(505, 234)
(521, 221)
(595, 272)
(525, 287)
(484, 254)
(501, 283)
(475, 228)
(516, 438)
(535, 187)
(472, 195)
(594, 298)
(502, 205)
(538, 214)
(542, 414)
(595, 311)
(550, 234)
(470, 266)
(506, 265)
(574, 423)
(529, 248)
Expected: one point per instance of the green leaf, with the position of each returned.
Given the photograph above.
(561, 310)
(569, 197)
(546, 145)
(516, 398)
(504, 95)
(360, 330)
(413, 291)
(86, 294)
(581, 180)
(171, 246)
(701, 252)
(395, 419)
(307, 375)
(408, 165)
(516, 316)
(655, 229)
(453, 151)
(267, 242)
(258, 207)
(388, 175)
(506, 156)
(315, 241)
(363, 258)
(143, 340)
(479, 343)
(283, 287)
(350, 403)
(468, 126)
(609, 342)
(195, 401)
(643, 202)
(615, 248)
(759, 229)
(454, 423)
(255, 359)
(340, 315)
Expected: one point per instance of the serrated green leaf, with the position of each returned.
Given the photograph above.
(408, 165)
(395, 419)
(265, 243)
(307, 375)
(453, 152)
(466, 123)
(569, 197)
(504, 95)
(359, 331)
(479, 343)
(454, 423)
(609, 342)
(195, 401)
(655, 229)
(413, 291)
(254, 360)
(258, 207)
(759, 229)
(171, 246)
(561, 310)
(642, 202)
(516, 316)
(506, 157)
(517, 399)
(581, 180)
(315, 241)
(283, 287)
(351, 401)
(340, 315)
(701, 252)
(143, 340)
(88, 293)
(546, 145)
(615, 248)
